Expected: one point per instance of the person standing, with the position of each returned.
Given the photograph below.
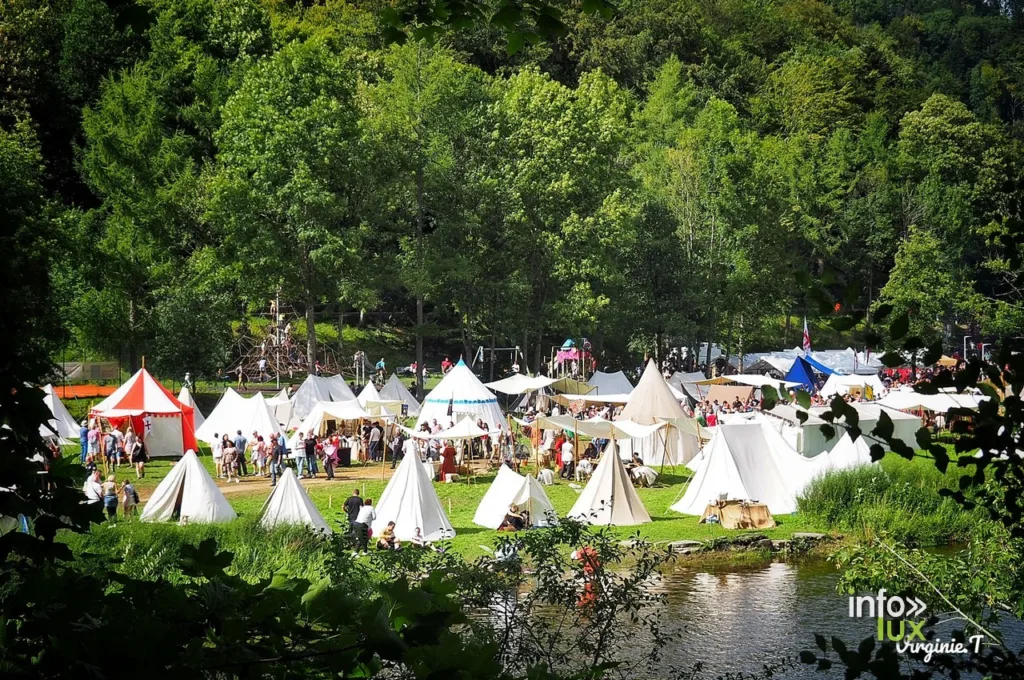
(241, 443)
(309, 454)
(397, 448)
(230, 460)
(83, 439)
(218, 455)
(276, 458)
(364, 520)
(375, 433)
(352, 505)
(93, 489)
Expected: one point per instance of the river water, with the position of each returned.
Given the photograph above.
(739, 618)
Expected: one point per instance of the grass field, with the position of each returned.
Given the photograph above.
(460, 501)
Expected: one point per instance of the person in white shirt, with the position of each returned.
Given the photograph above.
(362, 524)
(93, 489)
(218, 455)
(568, 459)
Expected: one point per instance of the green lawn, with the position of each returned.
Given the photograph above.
(460, 501)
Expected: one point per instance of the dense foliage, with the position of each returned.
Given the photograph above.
(662, 174)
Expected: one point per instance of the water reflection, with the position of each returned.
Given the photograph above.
(741, 618)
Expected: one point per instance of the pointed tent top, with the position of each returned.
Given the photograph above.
(460, 362)
(652, 400)
(140, 394)
(62, 422)
(185, 397)
(368, 393)
(394, 389)
(609, 497)
(189, 488)
(410, 501)
(290, 504)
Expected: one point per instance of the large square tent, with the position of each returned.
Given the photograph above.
(164, 423)
(462, 392)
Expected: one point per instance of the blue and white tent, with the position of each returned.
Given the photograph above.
(463, 393)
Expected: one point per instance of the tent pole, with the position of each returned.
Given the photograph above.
(384, 453)
(664, 449)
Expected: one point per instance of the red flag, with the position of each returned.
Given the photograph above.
(807, 337)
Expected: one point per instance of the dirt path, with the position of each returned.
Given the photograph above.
(261, 485)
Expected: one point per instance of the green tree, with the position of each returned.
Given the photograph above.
(289, 164)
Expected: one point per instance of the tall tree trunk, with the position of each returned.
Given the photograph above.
(741, 345)
(309, 301)
(785, 333)
(538, 352)
(419, 288)
(525, 351)
(494, 341)
(133, 347)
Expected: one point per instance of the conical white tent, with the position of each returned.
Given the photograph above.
(749, 461)
(394, 390)
(368, 393)
(185, 397)
(509, 487)
(315, 389)
(62, 422)
(650, 402)
(235, 412)
(610, 383)
(191, 490)
(281, 405)
(609, 497)
(848, 453)
(466, 395)
(290, 504)
(410, 501)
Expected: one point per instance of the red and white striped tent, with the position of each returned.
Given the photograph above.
(165, 424)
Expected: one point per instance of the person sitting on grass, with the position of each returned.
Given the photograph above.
(387, 539)
(514, 519)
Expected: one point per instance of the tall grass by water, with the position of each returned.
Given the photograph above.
(896, 498)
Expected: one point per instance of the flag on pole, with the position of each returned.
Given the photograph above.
(807, 337)
(451, 406)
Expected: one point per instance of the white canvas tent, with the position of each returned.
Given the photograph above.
(464, 429)
(848, 453)
(369, 398)
(235, 412)
(610, 383)
(315, 389)
(190, 489)
(164, 423)
(410, 501)
(905, 399)
(394, 390)
(185, 397)
(517, 383)
(806, 437)
(290, 504)
(509, 487)
(466, 395)
(651, 402)
(61, 423)
(905, 425)
(281, 405)
(324, 413)
(609, 497)
(749, 461)
(844, 384)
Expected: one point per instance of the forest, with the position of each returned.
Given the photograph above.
(650, 174)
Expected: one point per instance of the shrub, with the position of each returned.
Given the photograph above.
(897, 498)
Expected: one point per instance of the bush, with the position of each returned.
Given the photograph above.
(897, 498)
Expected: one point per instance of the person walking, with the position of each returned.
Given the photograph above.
(129, 497)
(110, 497)
(364, 520)
(241, 443)
(136, 452)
